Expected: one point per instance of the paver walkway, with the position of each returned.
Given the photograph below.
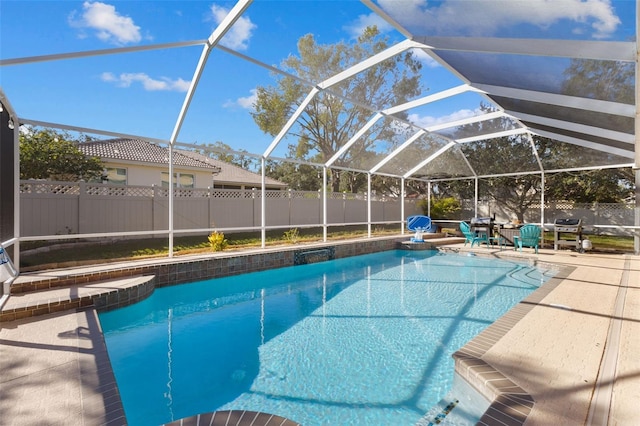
(55, 371)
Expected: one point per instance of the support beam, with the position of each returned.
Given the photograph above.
(212, 41)
(475, 209)
(291, 122)
(403, 194)
(324, 203)
(636, 165)
(369, 205)
(263, 202)
(171, 196)
(636, 222)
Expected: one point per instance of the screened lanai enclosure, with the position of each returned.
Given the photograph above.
(361, 108)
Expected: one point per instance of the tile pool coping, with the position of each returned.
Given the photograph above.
(510, 403)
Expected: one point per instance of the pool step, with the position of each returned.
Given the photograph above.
(429, 243)
(234, 417)
(103, 295)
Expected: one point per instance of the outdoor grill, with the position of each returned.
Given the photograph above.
(482, 225)
(567, 232)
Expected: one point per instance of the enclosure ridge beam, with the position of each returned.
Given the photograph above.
(291, 122)
(88, 53)
(469, 120)
(606, 107)
(368, 63)
(213, 39)
(585, 144)
(429, 159)
(89, 130)
(582, 49)
(431, 98)
(576, 127)
(398, 150)
(503, 134)
(381, 13)
(354, 138)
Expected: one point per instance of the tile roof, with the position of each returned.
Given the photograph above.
(231, 172)
(137, 150)
(141, 151)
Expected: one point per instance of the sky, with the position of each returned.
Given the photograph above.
(142, 93)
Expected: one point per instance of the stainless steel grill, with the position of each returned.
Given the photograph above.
(567, 232)
(482, 225)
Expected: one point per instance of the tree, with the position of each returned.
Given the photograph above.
(330, 121)
(514, 193)
(606, 80)
(593, 186)
(47, 154)
(299, 176)
(223, 152)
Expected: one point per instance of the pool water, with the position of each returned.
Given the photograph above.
(357, 341)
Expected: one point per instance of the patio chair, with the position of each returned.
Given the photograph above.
(472, 237)
(419, 224)
(529, 237)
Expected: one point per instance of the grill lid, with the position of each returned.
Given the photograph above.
(481, 221)
(568, 222)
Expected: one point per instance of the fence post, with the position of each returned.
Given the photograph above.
(290, 202)
(253, 197)
(153, 206)
(82, 193)
(209, 221)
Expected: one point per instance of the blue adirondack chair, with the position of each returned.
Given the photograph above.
(472, 237)
(529, 237)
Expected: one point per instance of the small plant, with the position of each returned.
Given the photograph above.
(292, 235)
(217, 241)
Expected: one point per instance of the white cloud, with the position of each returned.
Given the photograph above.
(239, 34)
(148, 83)
(247, 102)
(108, 24)
(427, 120)
(356, 28)
(425, 59)
(487, 18)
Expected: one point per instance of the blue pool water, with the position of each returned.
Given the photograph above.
(357, 341)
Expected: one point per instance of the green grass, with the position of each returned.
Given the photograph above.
(602, 242)
(41, 255)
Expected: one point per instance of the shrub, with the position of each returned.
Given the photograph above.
(292, 236)
(441, 208)
(217, 241)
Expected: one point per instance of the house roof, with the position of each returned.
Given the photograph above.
(230, 172)
(141, 151)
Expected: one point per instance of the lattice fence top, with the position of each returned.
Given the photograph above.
(100, 189)
(118, 191)
(49, 188)
(234, 194)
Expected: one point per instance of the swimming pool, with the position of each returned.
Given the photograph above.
(361, 340)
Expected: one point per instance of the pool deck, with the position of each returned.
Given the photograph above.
(573, 350)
